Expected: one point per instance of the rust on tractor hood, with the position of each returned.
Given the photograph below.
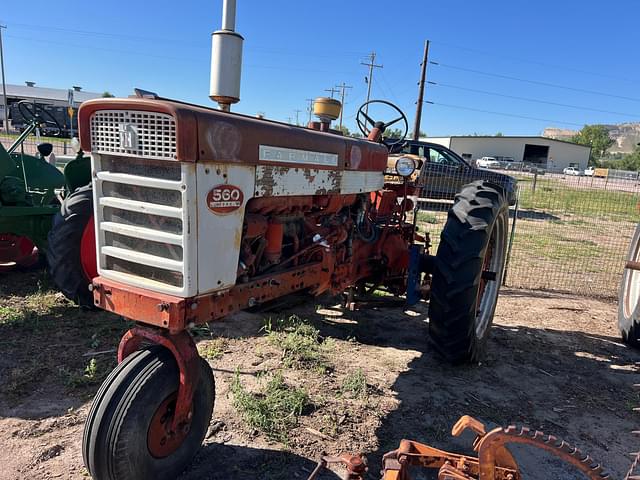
(210, 135)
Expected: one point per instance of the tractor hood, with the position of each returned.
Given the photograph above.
(199, 134)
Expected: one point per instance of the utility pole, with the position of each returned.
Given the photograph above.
(371, 64)
(331, 90)
(4, 85)
(310, 107)
(297, 117)
(423, 76)
(342, 88)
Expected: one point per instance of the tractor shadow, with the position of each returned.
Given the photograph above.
(215, 461)
(573, 384)
(563, 380)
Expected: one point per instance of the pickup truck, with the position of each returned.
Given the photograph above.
(572, 171)
(443, 172)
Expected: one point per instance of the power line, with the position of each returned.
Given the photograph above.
(533, 100)
(535, 82)
(140, 53)
(173, 41)
(460, 107)
(522, 59)
(125, 52)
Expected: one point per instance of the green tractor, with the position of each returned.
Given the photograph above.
(46, 212)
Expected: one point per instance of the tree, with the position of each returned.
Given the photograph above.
(392, 133)
(107, 94)
(345, 131)
(630, 161)
(499, 134)
(596, 137)
(421, 134)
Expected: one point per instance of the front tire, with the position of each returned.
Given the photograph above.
(629, 297)
(131, 407)
(468, 272)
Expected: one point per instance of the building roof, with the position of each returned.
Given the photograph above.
(530, 137)
(56, 94)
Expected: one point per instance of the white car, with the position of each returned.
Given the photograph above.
(487, 162)
(572, 171)
(590, 171)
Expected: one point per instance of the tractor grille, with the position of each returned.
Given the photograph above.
(142, 221)
(134, 133)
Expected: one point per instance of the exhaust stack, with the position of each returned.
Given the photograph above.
(226, 59)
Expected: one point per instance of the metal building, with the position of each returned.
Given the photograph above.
(543, 152)
(54, 100)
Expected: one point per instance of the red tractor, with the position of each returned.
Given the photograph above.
(201, 213)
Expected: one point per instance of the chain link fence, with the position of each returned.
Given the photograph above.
(61, 146)
(568, 233)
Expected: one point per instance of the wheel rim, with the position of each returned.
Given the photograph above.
(16, 250)
(88, 251)
(631, 291)
(488, 289)
(161, 441)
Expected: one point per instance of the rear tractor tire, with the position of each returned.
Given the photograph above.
(125, 434)
(629, 297)
(469, 267)
(71, 254)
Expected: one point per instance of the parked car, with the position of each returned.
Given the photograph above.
(531, 168)
(589, 171)
(443, 172)
(572, 171)
(487, 162)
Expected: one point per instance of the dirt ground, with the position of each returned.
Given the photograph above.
(554, 363)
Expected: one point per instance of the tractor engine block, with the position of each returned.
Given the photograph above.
(364, 234)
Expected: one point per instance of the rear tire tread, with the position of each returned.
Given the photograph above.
(458, 266)
(63, 251)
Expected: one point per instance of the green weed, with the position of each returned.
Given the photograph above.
(354, 384)
(11, 315)
(300, 342)
(212, 349)
(91, 374)
(554, 196)
(426, 217)
(274, 410)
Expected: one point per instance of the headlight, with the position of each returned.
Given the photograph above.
(405, 166)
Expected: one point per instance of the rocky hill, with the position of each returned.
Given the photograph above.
(625, 135)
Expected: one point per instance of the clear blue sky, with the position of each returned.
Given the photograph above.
(296, 49)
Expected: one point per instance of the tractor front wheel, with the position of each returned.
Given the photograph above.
(629, 296)
(127, 435)
(468, 272)
(71, 253)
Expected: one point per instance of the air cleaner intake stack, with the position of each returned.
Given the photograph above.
(226, 59)
(327, 110)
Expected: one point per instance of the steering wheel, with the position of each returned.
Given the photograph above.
(362, 119)
(34, 112)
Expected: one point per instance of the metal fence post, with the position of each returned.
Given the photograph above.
(511, 238)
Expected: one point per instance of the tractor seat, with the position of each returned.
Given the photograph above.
(45, 149)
